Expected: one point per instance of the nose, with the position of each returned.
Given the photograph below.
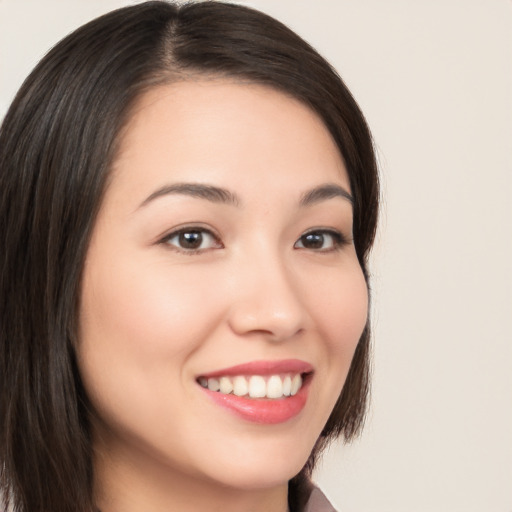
(267, 300)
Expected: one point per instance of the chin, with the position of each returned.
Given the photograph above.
(253, 479)
(261, 469)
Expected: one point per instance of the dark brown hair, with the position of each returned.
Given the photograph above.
(57, 143)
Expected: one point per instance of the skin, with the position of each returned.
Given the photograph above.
(154, 315)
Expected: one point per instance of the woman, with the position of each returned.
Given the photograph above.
(189, 195)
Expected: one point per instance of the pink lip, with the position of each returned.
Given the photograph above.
(263, 368)
(263, 410)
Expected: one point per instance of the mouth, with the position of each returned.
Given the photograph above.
(255, 386)
(266, 392)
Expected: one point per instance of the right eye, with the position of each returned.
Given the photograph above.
(192, 240)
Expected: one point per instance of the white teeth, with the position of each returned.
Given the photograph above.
(213, 385)
(274, 387)
(255, 386)
(287, 386)
(240, 387)
(296, 384)
(226, 386)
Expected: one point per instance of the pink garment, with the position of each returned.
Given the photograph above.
(318, 502)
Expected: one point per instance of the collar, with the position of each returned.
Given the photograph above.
(318, 502)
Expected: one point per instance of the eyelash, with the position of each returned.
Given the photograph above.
(338, 240)
(189, 230)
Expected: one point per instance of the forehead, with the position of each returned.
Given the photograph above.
(226, 132)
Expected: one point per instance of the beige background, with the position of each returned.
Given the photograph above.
(435, 81)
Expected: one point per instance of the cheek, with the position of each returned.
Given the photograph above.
(139, 325)
(342, 311)
(338, 305)
(142, 310)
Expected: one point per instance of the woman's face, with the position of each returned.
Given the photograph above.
(222, 257)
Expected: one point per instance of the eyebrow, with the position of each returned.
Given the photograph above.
(224, 196)
(323, 193)
(208, 192)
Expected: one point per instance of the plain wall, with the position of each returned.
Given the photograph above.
(434, 79)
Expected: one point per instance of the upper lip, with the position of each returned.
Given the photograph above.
(263, 368)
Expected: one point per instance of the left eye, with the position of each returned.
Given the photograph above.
(320, 241)
(191, 240)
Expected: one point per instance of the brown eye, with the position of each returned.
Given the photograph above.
(192, 240)
(321, 240)
(312, 241)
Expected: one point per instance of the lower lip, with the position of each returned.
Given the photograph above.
(265, 411)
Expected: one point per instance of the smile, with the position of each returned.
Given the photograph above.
(264, 392)
(255, 386)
